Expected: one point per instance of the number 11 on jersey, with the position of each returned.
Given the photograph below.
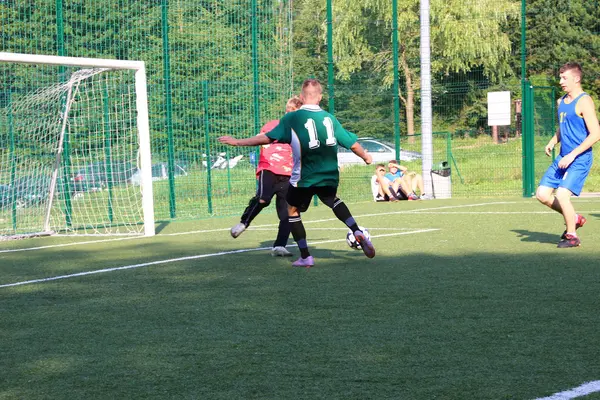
(312, 133)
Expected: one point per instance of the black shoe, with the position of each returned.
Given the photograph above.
(569, 241)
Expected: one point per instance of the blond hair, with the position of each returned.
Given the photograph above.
(293, 104)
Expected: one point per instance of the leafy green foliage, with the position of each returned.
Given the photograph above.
(464, 37)
(558, 32)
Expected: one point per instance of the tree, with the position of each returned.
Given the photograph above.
(464, 36)
(563, 31)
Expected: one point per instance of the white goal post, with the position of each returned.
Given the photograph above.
(79, 134)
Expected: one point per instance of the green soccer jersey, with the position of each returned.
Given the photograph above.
(314, 135)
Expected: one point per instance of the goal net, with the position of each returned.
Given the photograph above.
(74, 147)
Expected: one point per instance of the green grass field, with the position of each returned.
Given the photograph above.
(466, 299)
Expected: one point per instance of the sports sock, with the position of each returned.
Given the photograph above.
(342, 212)
(283, 232)
(299, 235)
(574, 234)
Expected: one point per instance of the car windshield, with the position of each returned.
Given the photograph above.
(374, 147)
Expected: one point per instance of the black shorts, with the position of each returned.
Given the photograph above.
(270, 184)
(300, 197)
(400, 193)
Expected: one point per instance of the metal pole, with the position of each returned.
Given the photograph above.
(426, 112)
(60, 50)
(529, 152)
(13, 162)
(256, 77)
(207, 146)
(554, 119)
(60, 35)
(524, 105)
(108, 153)
(396, 78)
(168, 108)
(330, 77)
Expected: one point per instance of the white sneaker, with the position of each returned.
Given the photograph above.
(280, 251)
(237, 230)
(425, 197)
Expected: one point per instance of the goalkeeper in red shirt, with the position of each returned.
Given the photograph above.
(273, 174)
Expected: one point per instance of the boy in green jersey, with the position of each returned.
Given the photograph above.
(314, 135)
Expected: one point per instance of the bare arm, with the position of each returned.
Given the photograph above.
(251, 141)
(400, 167)
(588, 112)
(554, 140)
(359, 151)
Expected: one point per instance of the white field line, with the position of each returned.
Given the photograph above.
(274, 228)
(579, 391)
(188, 258)
(251, 228)
(488, 212)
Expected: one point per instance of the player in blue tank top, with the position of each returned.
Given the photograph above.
(578, 130)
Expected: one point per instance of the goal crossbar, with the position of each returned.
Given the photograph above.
(71, 61)
(141, 108)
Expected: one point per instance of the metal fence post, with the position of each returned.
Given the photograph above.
(168, 108)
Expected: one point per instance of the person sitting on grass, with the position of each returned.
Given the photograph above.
(412, 180)
(391, 191)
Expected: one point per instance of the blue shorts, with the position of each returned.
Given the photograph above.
(572, 178)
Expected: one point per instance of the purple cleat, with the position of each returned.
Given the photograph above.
(365, 244)
(304, 262)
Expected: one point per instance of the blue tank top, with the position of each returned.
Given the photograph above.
(573, 130)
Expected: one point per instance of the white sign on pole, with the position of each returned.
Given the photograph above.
(498, 108)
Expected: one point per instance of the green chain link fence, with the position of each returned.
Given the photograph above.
(217, 68)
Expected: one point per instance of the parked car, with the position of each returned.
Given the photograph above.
(381, 152)
(159, 172)
(5, 196)
(93, 177)
(27, 191)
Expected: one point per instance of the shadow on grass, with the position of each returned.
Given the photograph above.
(159, 228)
(539, 237)
(321, 249)
(411, 325)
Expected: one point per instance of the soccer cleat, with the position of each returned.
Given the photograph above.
(304, 262)
(237, 230)
(425, 197)
(413, 196)
(569, 241)
(365, 244)
(280, 251)
(580, 222)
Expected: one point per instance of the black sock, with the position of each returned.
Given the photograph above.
(283, 233)
(299, 234)
(342, 212)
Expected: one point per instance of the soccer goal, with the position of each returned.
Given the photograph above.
(73, 131)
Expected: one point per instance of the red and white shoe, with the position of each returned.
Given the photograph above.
(413, 196)
(569, 241)
(578, 224)
(365, 244)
